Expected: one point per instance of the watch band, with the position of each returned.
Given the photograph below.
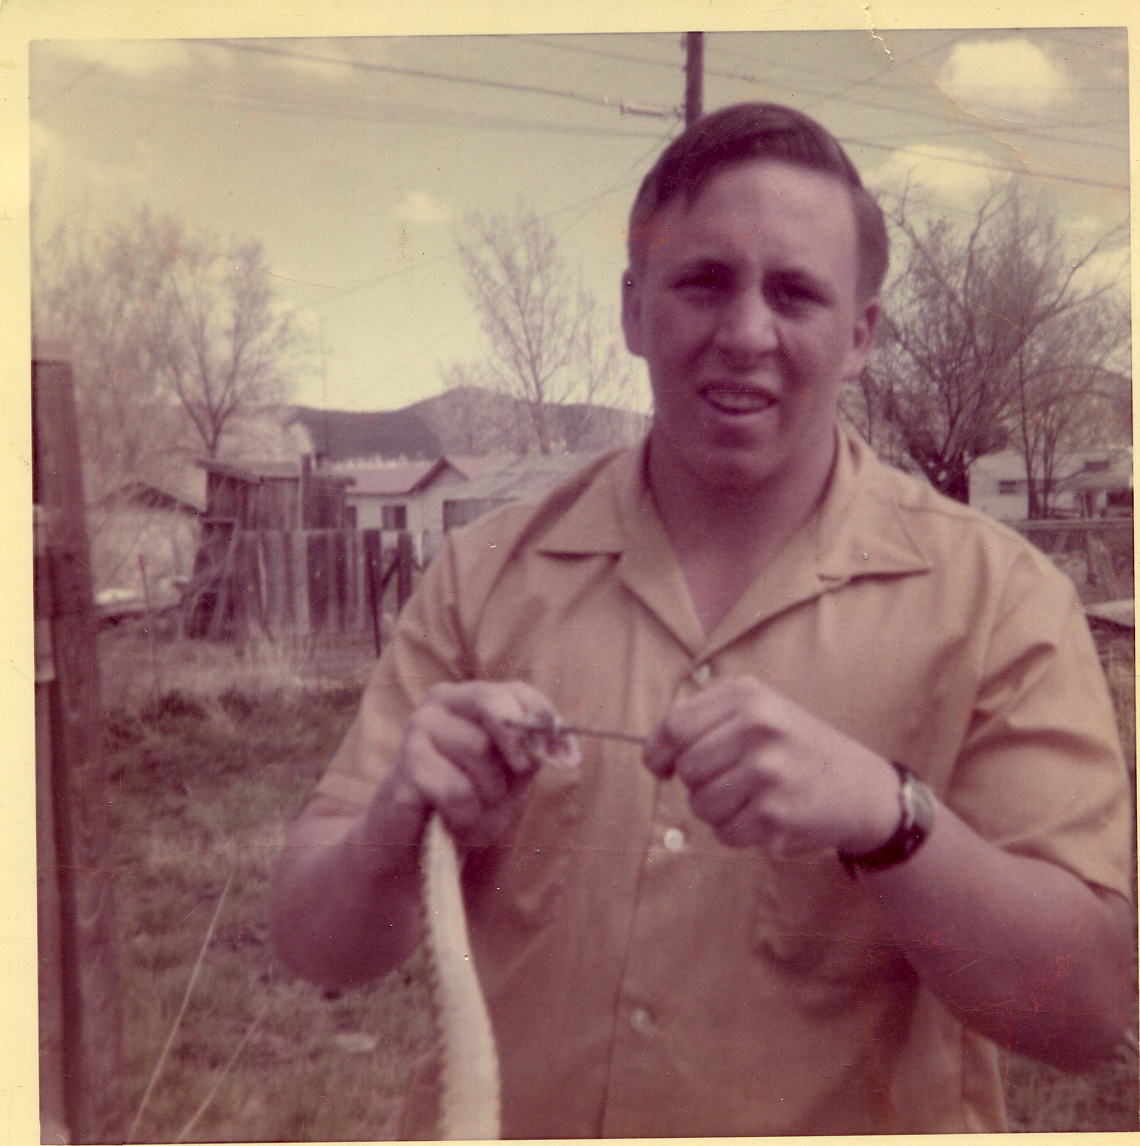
(916, 818)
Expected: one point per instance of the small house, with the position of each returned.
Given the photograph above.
(1085, 483)
(144, 536)
(408, 495)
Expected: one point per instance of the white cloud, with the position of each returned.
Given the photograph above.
(1009, 78)
(420, 207)
(1107, 266)
(954, 176)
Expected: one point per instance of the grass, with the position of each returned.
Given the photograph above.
(203, 783)
(211, 752)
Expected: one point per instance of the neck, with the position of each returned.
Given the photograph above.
(724, 536)
(732, 518)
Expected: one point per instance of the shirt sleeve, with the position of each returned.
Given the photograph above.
(1041, 772)
(426, 648)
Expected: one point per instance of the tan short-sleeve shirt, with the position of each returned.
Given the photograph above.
(643, 978)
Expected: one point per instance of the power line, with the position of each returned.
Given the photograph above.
(587, 202)
(417, 114)
(422, 73)
(558, 44)
(964, 162)
(911, 110)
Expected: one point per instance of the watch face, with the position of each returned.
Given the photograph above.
(924, 807)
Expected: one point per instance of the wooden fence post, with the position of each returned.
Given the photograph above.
(81, 1064)
(405, 576)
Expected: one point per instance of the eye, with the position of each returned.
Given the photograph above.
(704, 283)
(794, 294)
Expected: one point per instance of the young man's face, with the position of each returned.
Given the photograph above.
(745, 308)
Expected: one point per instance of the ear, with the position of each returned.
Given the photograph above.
(862, 339)
(631, 313)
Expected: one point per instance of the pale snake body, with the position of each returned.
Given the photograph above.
(469, 1100)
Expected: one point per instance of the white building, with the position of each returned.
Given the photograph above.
(1086, 483)
(408, 495)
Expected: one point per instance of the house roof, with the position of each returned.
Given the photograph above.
(412, 477)
(149, 495)
(522, 476)
(380, 481)
(473, 465)
(256, 471)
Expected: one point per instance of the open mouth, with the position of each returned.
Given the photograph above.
(737, 399)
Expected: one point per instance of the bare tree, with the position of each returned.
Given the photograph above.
(216, 338)
(990, 331)
(1072, 395)
(546, 342)
(170, 334)
(92, 298)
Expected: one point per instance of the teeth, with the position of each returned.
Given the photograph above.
(738, 401)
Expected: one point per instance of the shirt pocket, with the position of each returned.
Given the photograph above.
(820, 934)
(516, 882)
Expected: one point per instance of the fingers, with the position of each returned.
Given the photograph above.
(702, 735)
(496, 708)
(466, 757)
(729, 745)
(763, 771)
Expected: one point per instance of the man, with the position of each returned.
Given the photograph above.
(761, 924)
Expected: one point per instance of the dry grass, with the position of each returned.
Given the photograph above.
(203, 783)
(204, 779)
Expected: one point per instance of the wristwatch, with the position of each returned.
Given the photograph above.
(916, 818)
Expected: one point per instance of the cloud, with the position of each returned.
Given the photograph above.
(1106, 266)
(420, 207)
(954, 176)
(1007, 78)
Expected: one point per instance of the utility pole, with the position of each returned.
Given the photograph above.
(694, 75)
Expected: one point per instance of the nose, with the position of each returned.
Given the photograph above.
(746, 330)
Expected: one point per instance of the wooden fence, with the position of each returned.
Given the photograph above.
(297, 581)
(318, 581)
(1096, 552)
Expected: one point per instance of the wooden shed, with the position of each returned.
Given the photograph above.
(276, 495)
(256, 513)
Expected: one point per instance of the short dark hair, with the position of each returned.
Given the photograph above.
(747, 132)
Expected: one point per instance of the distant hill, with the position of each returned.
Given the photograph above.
(466, 420)
(347, 434)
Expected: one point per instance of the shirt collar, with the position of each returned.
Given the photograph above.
(858, 529)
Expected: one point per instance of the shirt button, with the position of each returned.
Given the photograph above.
(701, 675)
(673, 839)
(640, 1019)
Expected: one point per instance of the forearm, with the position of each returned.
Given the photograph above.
(344, 911)
(1021, 950)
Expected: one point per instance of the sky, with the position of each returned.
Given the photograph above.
(354, 160)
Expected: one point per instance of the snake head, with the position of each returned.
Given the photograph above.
(549, 744)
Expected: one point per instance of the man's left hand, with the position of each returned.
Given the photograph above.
(764, 772)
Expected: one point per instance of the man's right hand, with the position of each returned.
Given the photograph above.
(346, 904)
(463, 756)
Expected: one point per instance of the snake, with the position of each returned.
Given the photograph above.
(469, 1100)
